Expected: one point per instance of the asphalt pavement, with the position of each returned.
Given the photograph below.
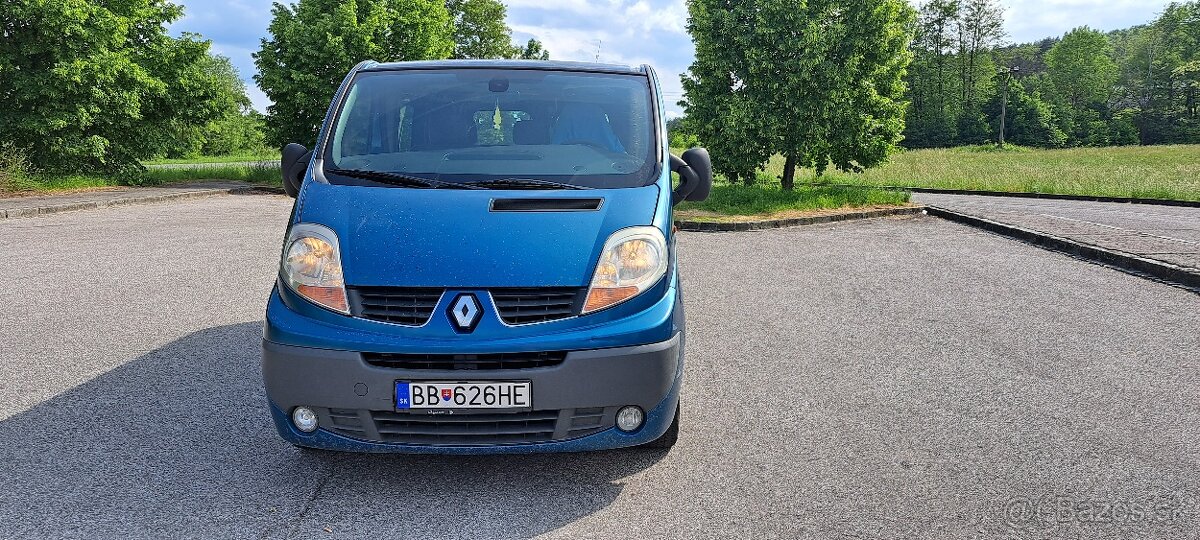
(1169, 234)
(29, 206)
(891, 378)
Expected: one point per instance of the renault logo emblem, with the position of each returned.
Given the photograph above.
(464, 313)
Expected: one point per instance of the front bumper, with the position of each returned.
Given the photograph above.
(574, 403)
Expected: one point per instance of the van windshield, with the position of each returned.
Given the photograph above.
(472, 126)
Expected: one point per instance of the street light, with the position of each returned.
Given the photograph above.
(1007, 73)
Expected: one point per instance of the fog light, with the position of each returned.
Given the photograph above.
(630, 418)
(306, 420)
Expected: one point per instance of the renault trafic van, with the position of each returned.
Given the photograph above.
(481, 259)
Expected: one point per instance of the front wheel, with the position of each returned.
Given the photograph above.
(668, 439)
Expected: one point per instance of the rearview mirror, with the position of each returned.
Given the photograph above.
(293, 165)
(695, 169)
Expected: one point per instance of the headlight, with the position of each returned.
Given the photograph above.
(632, 261)
(312, 267)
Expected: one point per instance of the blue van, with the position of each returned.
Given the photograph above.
(481, 259)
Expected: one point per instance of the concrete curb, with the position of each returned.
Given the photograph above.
(711, 226)
(1023, 195)
(13, 213)
(1128, 263)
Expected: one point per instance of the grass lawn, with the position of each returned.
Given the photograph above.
(263, 155)
(258, 174)
(1155, 172)
(1159, 172)
(740, 203)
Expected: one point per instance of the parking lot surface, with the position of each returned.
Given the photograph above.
(894, 378)
(1164, 233)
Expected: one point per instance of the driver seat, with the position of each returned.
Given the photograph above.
(585, 123)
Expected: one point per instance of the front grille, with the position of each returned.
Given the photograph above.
(412, 306)
(534, 305)
(467, 428)
(347, 422)
(586, 422)
(398, 305)
(466, 361)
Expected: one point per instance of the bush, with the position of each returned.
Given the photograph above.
(95, 87)
(684, 140)
(14, 168)
(235, 133)
(1123, 128)
(993, 148)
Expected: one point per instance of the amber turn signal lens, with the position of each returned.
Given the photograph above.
(312, 266)
(632, 261)
(330, 297)
(602, 298)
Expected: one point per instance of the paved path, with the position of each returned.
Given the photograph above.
(19, 207)
(894, 378)
(1165, 233)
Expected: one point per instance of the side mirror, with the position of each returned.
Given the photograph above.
(695, 168)
(293, 165)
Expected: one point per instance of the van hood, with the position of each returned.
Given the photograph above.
(454, 238)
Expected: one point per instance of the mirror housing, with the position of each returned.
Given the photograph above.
(293, 164)
(695, 169)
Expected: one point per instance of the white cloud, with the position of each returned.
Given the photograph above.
(635, 31)
(1033, 20)
(631, 32)
(1030, 20)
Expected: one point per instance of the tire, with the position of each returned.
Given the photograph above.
(668, 439)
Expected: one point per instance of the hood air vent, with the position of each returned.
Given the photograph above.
(546, 205)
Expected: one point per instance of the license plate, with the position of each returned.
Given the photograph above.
(461, 395)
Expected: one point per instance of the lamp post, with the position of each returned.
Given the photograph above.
(1007, 73)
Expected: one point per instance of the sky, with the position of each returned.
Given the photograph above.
(631, 31)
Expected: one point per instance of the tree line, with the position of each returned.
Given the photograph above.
(98, 87)
(844, 83)
(1086, 88)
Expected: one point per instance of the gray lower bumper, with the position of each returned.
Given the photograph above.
(356, 399)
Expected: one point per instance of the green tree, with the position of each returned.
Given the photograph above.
(1030, 120)
(719, 105)
(980, 29)
(232, 129)
(1123, 127)
(1081, 67)
(1159, 70)
(532, 51)
(819, 82)
(1188, 75)
(479, 29)
(680, 135)
(932, 119)
(313, 43)
(240, 128)
(98, 86)
(1083, 74)
(953, 74)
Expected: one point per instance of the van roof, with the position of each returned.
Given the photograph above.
(507, 64)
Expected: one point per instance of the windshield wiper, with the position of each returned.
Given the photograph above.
(399, 179)
(524, 183)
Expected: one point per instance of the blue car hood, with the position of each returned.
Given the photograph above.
(452, 238)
